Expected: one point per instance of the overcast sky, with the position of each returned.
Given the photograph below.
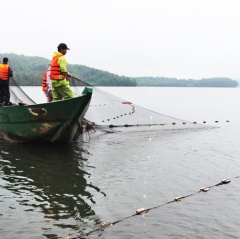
(172, 38)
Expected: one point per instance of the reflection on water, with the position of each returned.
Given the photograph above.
(49, 183)
(52, 191)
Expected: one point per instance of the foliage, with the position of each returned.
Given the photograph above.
(173, 82)
(28, 70)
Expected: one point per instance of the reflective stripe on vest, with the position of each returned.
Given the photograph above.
(4, 71)
(55, 72)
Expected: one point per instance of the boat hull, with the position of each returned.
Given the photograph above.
(50, 122)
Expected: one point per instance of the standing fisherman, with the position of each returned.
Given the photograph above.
(58, 72)
(5, 73)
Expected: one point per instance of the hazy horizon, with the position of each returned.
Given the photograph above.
(181, 39)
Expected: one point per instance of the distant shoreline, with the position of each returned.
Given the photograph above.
(28, 71)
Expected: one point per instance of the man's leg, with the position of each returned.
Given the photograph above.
(7, 93)
(56, 94)
(1, 92)
(66, 92)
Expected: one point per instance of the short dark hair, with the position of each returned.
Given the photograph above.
(5, 60)
(62, 46)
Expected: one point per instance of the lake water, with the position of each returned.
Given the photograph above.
(55, 192)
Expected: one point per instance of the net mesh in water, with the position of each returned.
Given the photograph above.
(113, 114)
(110, 113)
(17, 95)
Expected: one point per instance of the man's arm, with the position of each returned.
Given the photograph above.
(63, 66)
(10, 72)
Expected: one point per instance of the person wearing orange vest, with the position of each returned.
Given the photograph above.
(46, 85)
(5, 73)
(58, 74)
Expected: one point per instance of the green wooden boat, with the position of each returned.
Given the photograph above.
(42, 123)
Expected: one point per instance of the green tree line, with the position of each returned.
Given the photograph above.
(206, 82)
(28, 71)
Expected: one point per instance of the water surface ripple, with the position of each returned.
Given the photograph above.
(68, 190)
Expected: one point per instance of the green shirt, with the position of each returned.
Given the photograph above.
(62, 61)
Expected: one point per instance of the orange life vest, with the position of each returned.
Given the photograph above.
(4, 71)
(44, 80)
(55, 72)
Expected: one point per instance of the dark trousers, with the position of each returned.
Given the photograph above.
(4, 91)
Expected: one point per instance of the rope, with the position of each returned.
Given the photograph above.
(141, 211)
(93, 126)
(83, 82)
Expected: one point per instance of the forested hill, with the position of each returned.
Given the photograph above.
(28, 71)
(163, 82)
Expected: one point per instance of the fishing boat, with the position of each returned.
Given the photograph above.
(42, 123)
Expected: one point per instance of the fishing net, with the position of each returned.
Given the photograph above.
(109, 113)
(17, 95)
